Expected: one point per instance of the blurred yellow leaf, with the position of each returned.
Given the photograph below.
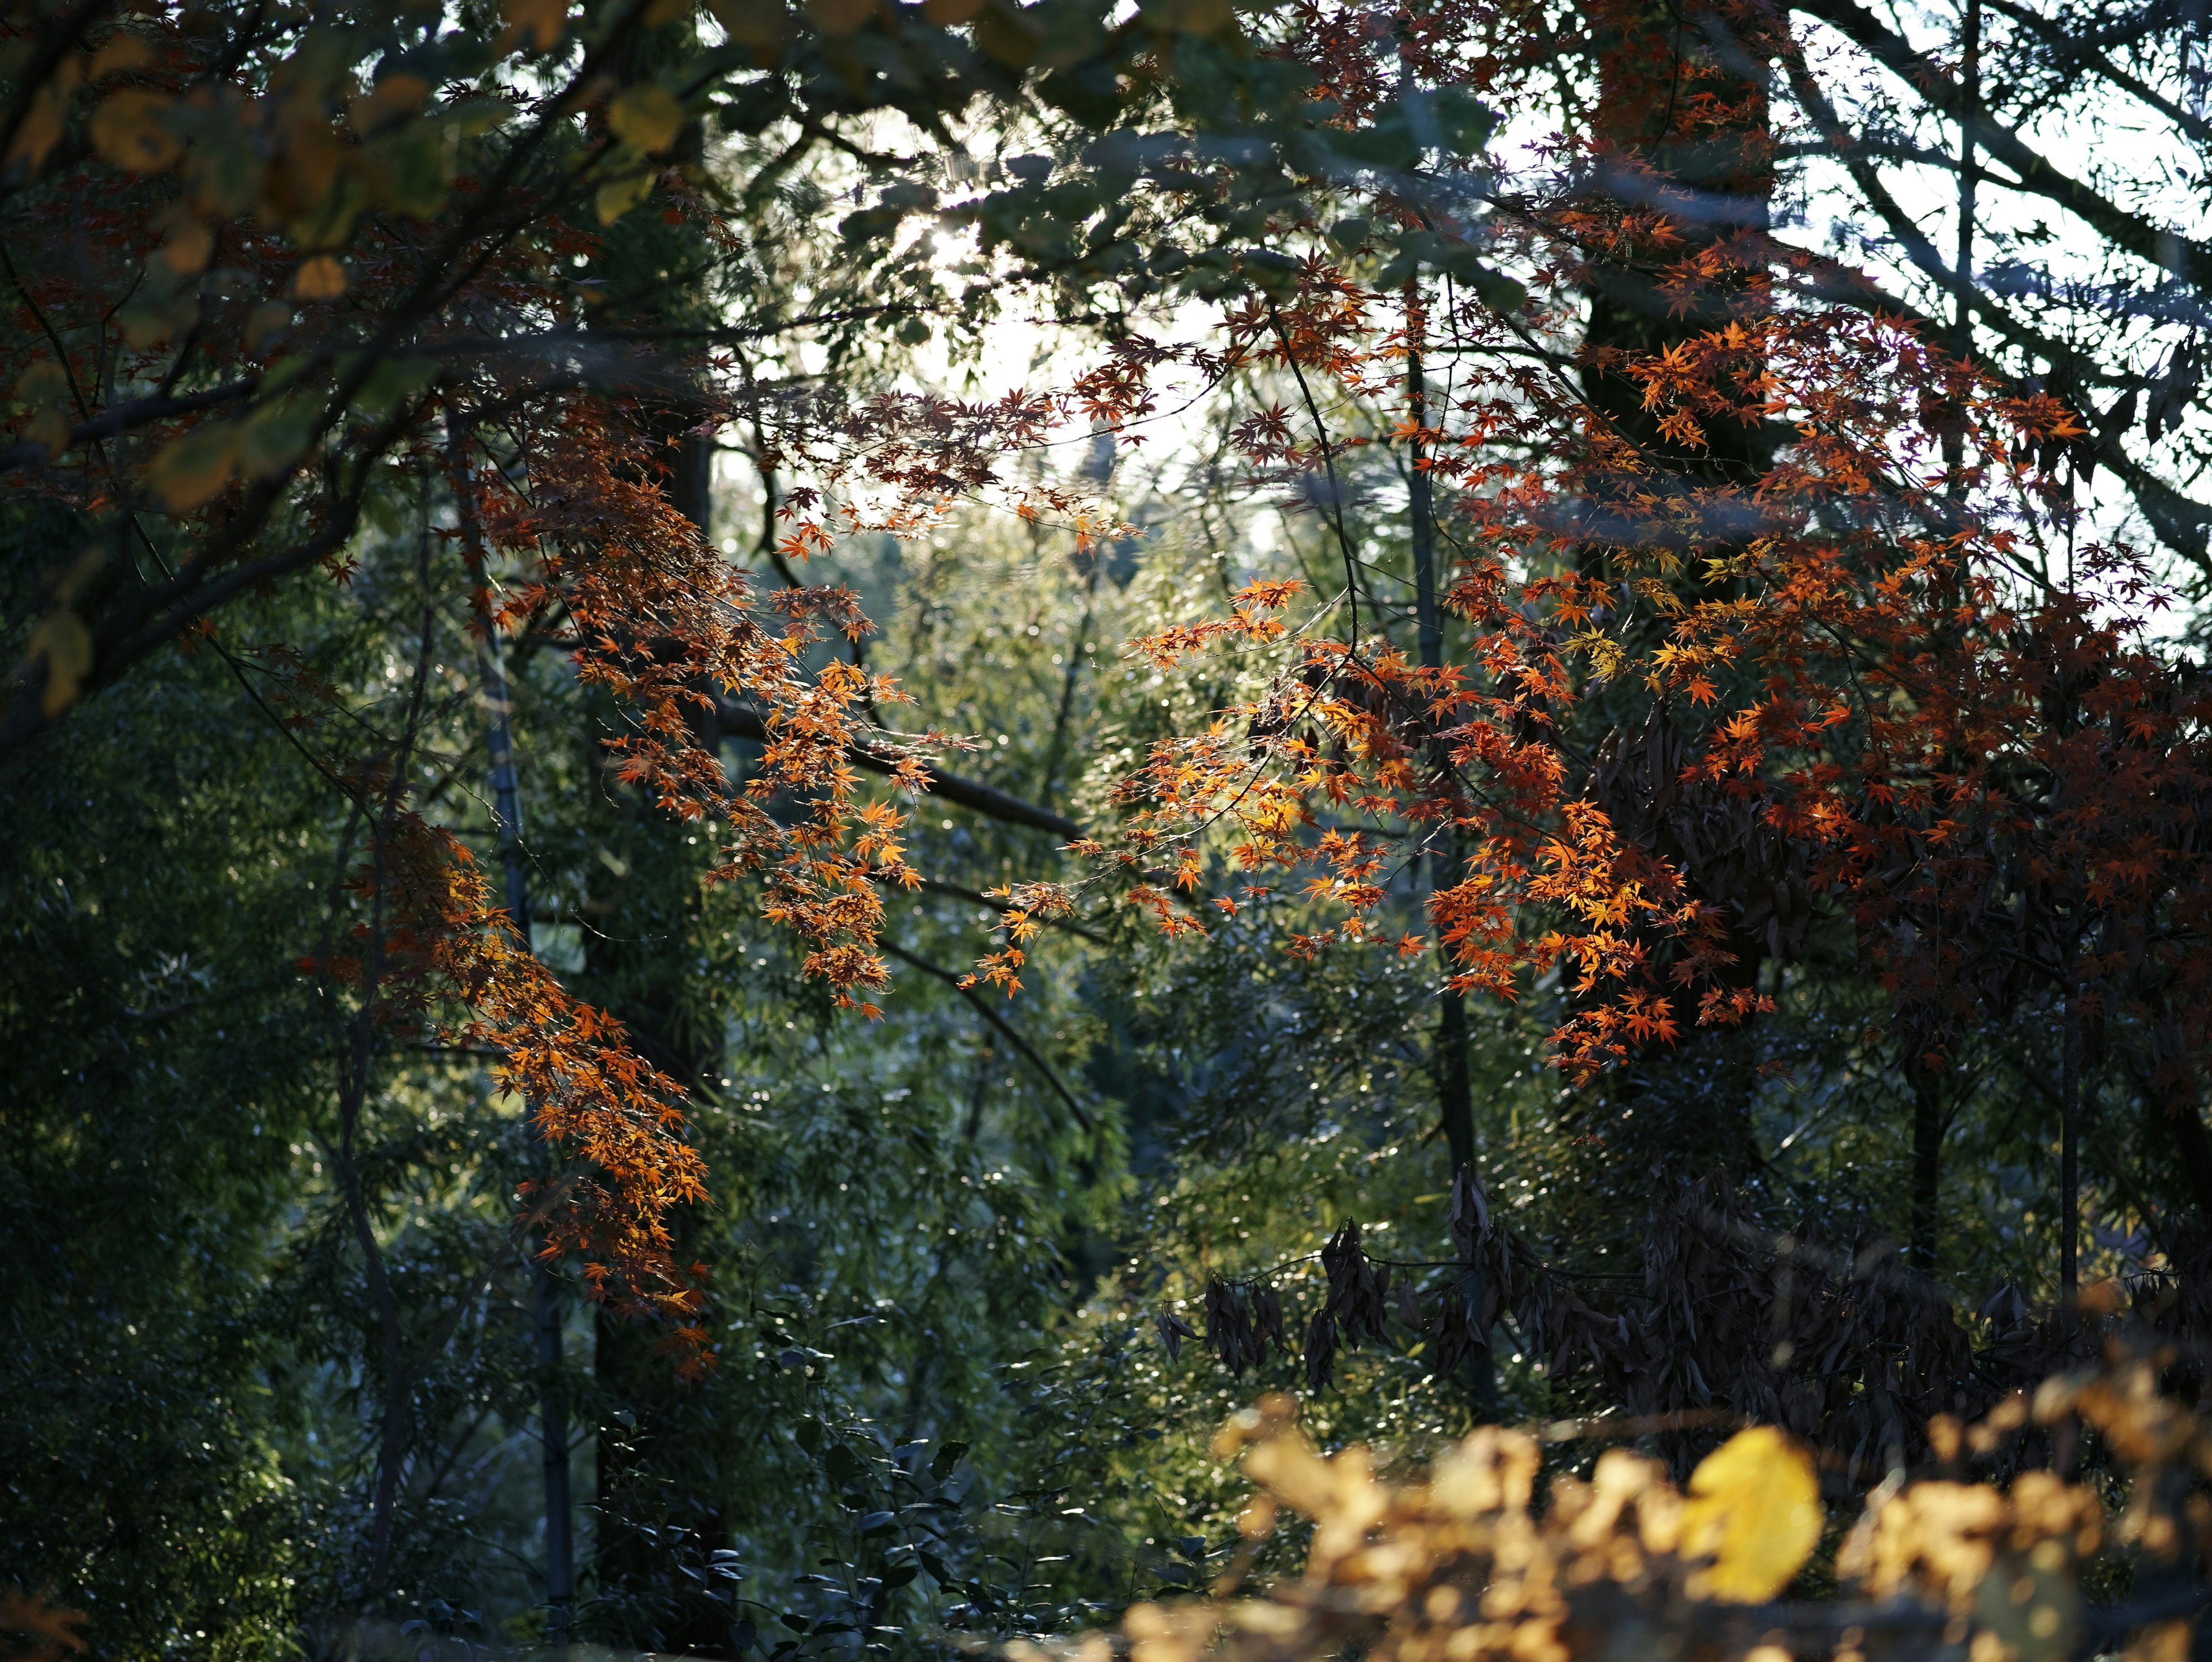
(396, 94)
(538, 22)
(320, 278)
(144, 328)
(129, 130)
(44, 382)
(647, 116)
(1755, 1509)
(119, 53)
(65, 644)
(308, 166)
(196, 467)
(43, 118)
(50, 428)
(618, 196)
(752, 22)
(187, 247)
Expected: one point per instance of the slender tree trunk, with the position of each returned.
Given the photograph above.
(1454, 1092)
(650, 1523)
(506, 808)
(2069, 1147)
(1455, 1100)
(1962, 277)
(1927, 1165)
(354, 1087)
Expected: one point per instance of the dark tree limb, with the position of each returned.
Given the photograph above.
(743, 721)
(1010, 1033)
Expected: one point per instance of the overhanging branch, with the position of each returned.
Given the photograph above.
(743, 722)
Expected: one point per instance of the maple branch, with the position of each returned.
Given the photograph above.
(938, 885)
(1012, 1034)
(1327, 461)
(743, 721)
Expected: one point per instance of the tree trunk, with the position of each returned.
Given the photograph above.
(1927, 1164)
(1679, 133)
(507, 809)
(1454, 1104)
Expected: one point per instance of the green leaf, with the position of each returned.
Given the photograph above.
(194, 468)
(278, 434)
(410, 169)
(941, 1465)
(1088, 92)
(869, 224)
(395, 381)
(1463, 121)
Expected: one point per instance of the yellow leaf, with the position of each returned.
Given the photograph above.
(752, 22)
(1755, 1509)
(45, 381)
(538, 22)
(320, 278)
(129, 131)
(618, 196)
(50, 428)
(119, 52)
(144, 328)
(41, 128)
(65, 644)
(396, 94)
(647, 116)
(310, 160)
(196, 467)
(188, 246)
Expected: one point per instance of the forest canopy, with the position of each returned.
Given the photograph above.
(1105, 829)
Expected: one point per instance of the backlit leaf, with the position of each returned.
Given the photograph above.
(129, 131)
(63, 641)
(537, 23)
(646, 116)
(1755, 1508)
(119, 53)
(193, 468)
(618, 196)
(320, 278)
